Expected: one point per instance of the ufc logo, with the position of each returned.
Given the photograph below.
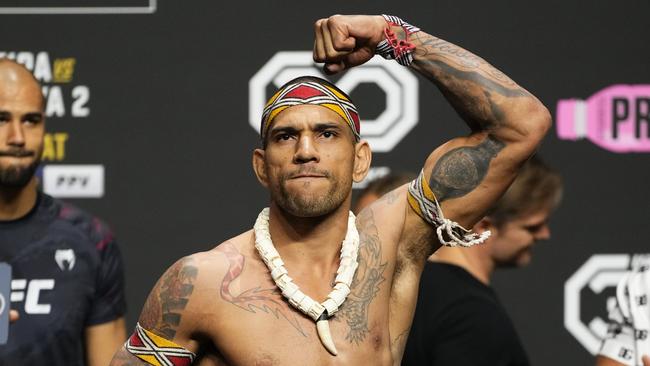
(29, 292)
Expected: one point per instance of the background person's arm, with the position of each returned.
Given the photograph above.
(102, 340)
(606, 361)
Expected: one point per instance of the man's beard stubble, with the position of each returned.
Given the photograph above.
(18, 176)
(303, 206)
(520, 258)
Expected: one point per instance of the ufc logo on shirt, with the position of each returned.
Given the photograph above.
(29, 292)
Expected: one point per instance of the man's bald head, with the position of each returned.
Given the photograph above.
(16, 80)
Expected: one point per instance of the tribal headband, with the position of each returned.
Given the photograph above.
(315, 91)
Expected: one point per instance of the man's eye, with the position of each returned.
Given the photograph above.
(328, 134)
(284, 137)
(33, 119)
(533, 228)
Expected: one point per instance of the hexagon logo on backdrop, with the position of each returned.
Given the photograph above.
(589, 294)
(78, 7)
(399, 86)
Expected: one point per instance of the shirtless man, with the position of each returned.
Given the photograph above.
(222, 307)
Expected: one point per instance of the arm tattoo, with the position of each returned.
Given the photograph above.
(165, 306)
(471, 84)
(461, 170)
(267, 300)
(490, 84)
(365, 285)
(456, 55)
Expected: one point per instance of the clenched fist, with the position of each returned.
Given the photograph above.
(344, 41)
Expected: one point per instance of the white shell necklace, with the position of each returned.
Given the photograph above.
(319, 312)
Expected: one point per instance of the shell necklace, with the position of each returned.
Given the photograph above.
(319, 312)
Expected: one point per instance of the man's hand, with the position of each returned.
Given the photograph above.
(606, 361)
(344, 41)
(13, 316)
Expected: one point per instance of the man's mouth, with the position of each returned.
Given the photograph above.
(298, 176)
(309, 173)
(17, 154)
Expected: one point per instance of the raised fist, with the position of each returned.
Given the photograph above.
(344, 41)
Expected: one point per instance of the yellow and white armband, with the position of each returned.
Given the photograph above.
(423, 201)
(156, 350)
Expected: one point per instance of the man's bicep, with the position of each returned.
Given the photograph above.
(606, 361)
(468, 174)
(165, 307)
(159, 324)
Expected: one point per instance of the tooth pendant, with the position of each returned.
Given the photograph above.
(323, 330)
(319, 312)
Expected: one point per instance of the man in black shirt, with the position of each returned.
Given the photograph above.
(67, 284)
(459, 320)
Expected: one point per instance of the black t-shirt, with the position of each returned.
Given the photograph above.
(459, 321)
(66, 275)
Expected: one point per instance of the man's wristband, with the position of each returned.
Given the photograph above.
(391, 48)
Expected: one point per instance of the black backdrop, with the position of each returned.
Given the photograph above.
(160, 99)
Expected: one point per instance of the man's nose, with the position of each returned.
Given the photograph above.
(306, 151)
(544, 233)
(16, 135)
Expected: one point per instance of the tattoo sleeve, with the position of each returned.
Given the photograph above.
(461, 170)
(476, 89)
(165, 305)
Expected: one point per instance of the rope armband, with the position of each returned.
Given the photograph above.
(423, 201)
(391, 48)
(156, 350)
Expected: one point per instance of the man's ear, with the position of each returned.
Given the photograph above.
(485, 224)
(259, 167)
(362, 160)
